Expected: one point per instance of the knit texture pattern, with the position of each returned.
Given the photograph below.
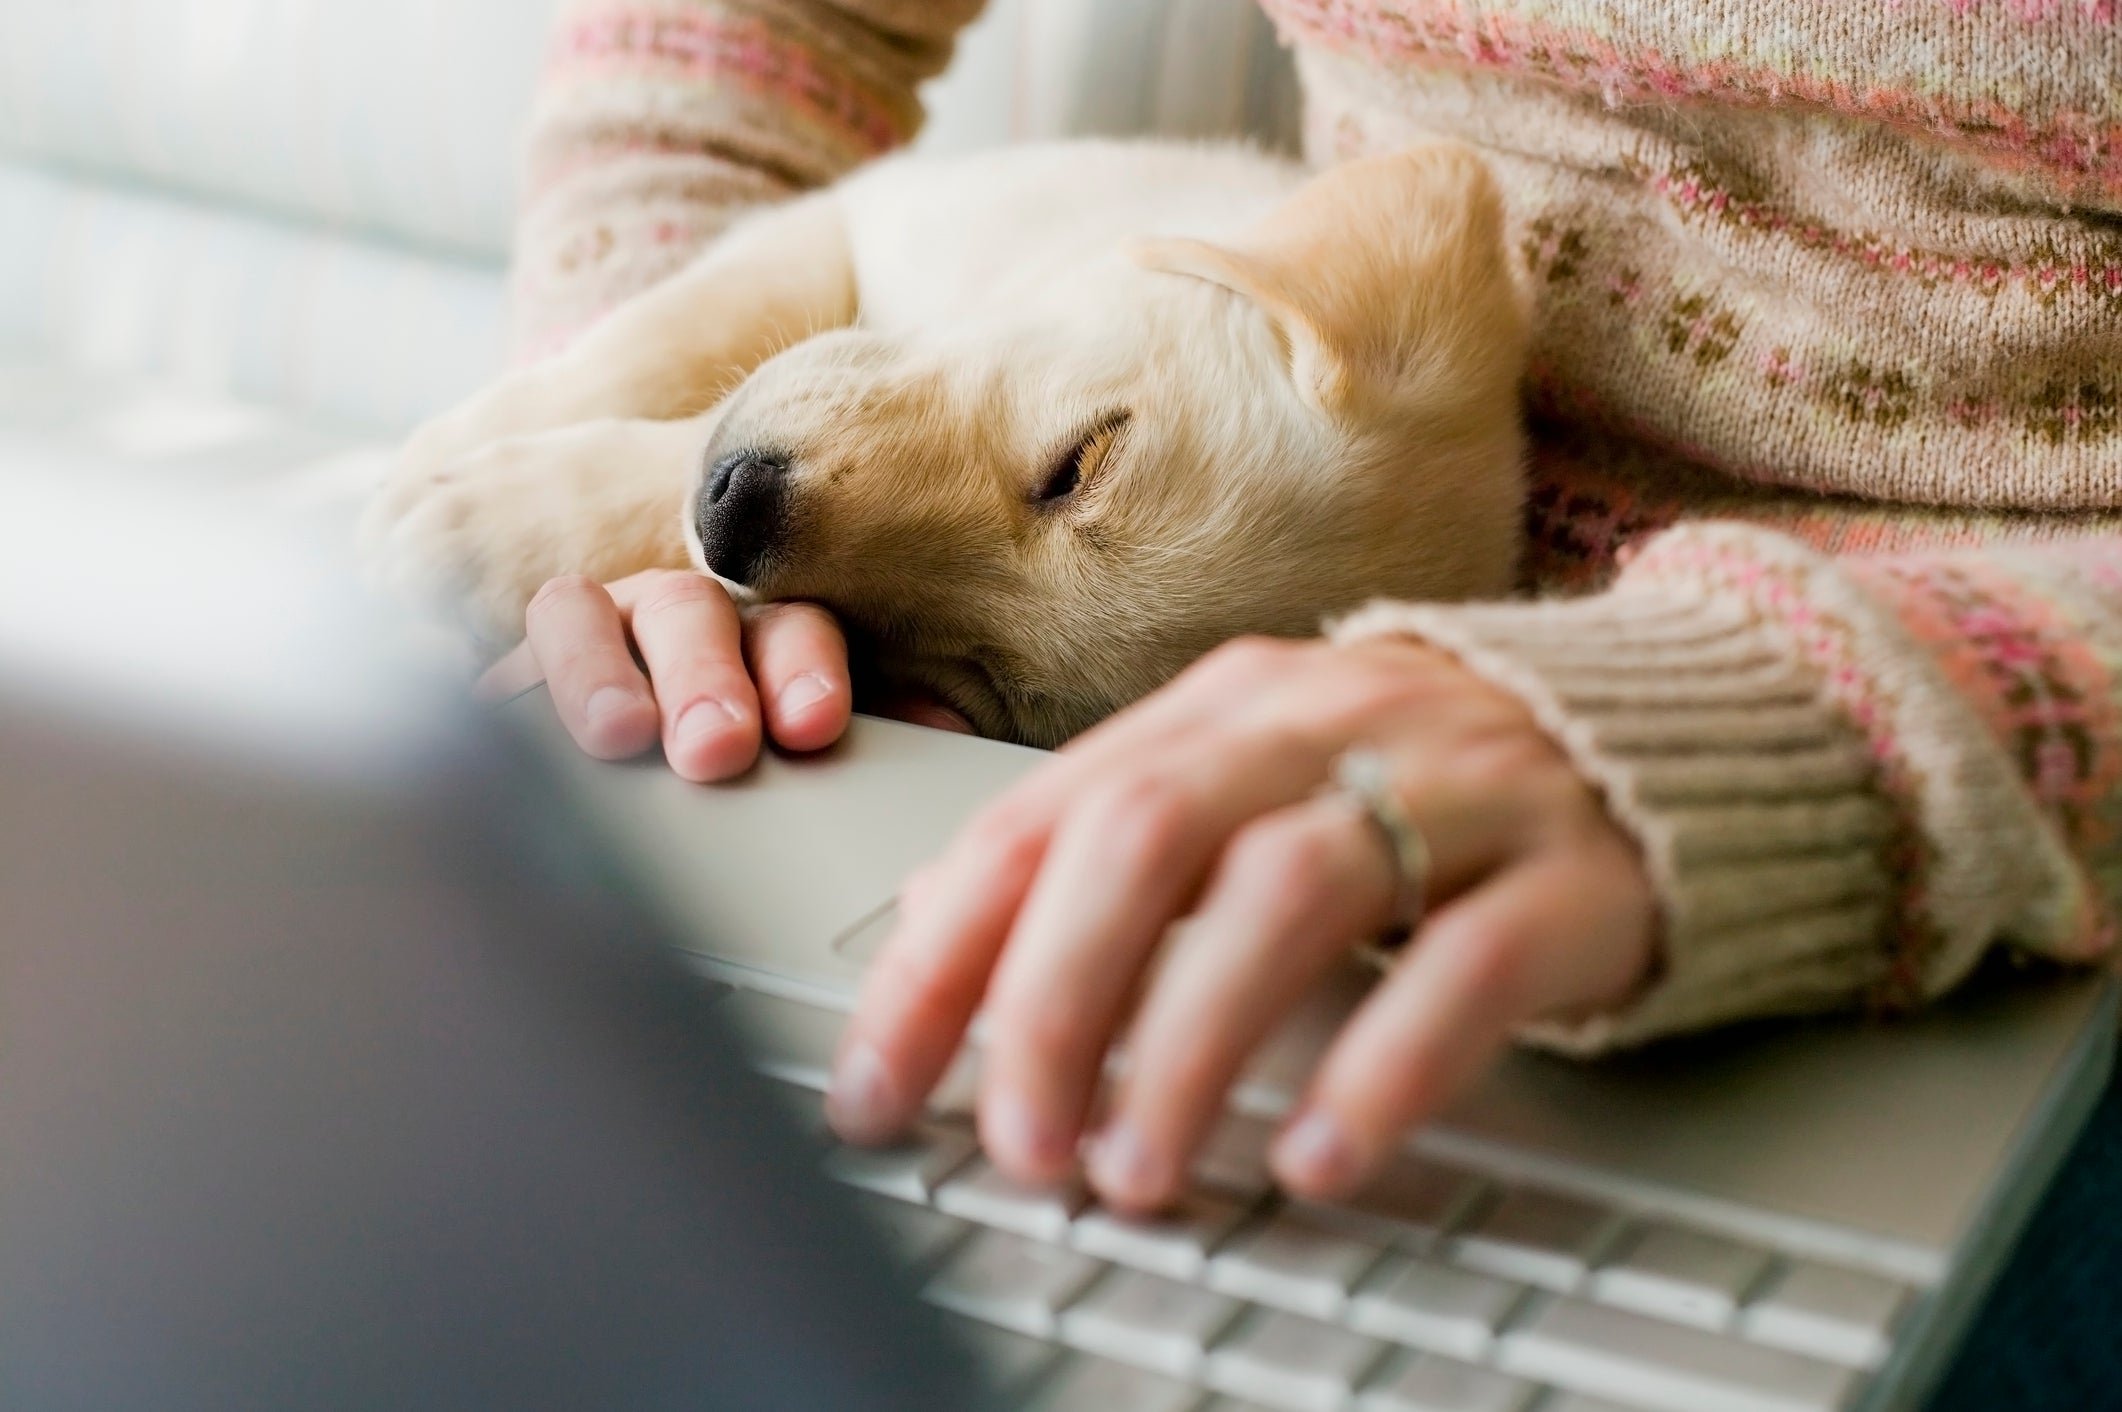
(1824, 580)
(660, 121)
(1856, 278)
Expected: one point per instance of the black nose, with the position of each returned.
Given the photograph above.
(739, 512)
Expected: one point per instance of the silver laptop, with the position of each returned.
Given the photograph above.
(1798, 1217)
(1790, 1219)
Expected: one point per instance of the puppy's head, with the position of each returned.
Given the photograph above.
(1045, 513)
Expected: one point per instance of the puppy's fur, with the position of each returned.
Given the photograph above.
(1041, 426)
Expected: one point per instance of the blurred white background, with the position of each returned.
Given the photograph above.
(255, 240)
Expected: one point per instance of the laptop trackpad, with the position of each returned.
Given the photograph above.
(791, 869)
(860, 943)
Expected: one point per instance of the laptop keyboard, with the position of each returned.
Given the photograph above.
(1438, 1289)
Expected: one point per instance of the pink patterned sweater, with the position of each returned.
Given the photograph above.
(1825, 587)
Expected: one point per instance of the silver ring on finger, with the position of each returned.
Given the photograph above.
(1363, 776)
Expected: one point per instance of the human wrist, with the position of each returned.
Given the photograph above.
(1748, 794)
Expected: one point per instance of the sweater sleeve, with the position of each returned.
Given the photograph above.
(659, 121)
(1850, 777)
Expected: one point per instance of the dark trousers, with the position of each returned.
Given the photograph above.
(2050, 1335)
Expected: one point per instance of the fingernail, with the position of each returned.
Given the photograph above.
(1315, 1154)
(704, 720)
(607, 702)
(1015, 1133)
(859, 1102)
(1124, 1167)
(803, 693)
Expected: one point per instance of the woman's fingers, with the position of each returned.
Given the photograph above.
(1051, 903)
(920, 992)
(1126, 860)
(1566, 929)
(1101, 905)
(932, 972)
(798, 659)
(1293, 891)
(702, 661)
(692, 640)
(577, 641)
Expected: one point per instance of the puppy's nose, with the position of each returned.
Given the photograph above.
(739, 511)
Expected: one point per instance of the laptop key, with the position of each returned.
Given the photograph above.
(911, 1170)
(1844, 1315)
(921, 1236)
(1665, 1367)
(806, 1110)
(1578, 1402)
(1683, 1275)
(1423, 1382)
(1013, 1361)
(1008, 1280)
(1438, 1307)
(981, 1193)
(1538, 1237)
(1291, 1264)
(1088, 1384)
(1411, 1205)
(1291, 1362)
(1149, 1321)
(1176, 1242)
(792, 1041)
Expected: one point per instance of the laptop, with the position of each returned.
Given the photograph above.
(338, 1069)
(536, 1185)
(1791, 1216)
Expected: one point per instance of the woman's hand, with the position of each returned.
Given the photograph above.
(1204, 803)
(713, 674)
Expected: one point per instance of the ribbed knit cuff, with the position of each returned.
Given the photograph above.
(1748, 791)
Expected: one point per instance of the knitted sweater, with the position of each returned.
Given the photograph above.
(1825, 583)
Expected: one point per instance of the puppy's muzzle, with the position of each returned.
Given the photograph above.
(740, 512)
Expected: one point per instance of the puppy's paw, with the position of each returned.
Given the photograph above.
(476, 537)
(457, 544)
(435, 453)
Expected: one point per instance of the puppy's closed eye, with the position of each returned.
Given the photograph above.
(1076, 467)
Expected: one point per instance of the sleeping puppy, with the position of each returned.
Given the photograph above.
(1041, 426)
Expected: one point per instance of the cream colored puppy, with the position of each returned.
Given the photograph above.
(1041, 426)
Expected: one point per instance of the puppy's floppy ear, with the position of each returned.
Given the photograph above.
(1375, 274)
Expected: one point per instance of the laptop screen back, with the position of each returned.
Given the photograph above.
(348, 1079)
